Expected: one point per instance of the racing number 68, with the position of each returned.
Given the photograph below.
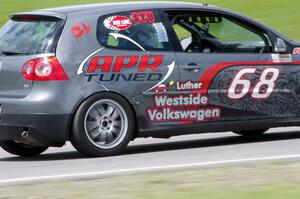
(266, 80)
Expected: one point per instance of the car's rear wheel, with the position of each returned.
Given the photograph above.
(21, 149)
(103, 125)
(256, 132)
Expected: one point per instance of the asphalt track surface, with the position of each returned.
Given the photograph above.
(152, 154)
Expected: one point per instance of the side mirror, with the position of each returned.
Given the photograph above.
(280, 46)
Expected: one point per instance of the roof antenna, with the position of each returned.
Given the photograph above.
(206, 4)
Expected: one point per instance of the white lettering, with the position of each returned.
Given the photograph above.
(174, 101)
(197, 114)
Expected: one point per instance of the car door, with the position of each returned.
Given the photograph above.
(136, 60)
(233, 69)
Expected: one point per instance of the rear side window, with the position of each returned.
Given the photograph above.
(30, 35)
(133, 31)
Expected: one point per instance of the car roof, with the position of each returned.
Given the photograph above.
(62, 12)
(126, 6)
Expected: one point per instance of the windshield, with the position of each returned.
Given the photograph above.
(30, 36)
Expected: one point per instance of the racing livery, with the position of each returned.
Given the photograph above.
(102, 75)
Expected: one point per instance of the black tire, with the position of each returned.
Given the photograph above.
(22, 149)
(83, 141)
(256, 132)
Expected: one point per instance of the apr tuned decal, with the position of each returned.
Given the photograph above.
(80, 30)
(122, 68)
(116, 64)
(117, 23)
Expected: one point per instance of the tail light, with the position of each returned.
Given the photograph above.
(44, 69)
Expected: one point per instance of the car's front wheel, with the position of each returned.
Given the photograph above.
(103, 125)
(256, 132)
(21, 149)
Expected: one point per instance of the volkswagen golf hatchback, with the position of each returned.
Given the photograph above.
(102, 75)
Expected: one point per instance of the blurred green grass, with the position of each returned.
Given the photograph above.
(279, 14)
(259, 180)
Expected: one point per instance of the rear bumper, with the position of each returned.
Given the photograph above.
(46, 113)
(47, 129)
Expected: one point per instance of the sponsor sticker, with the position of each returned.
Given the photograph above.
(188, 85)
(143, 17)
(183, 114)
(296, 51)
(180, 86)
(117, 23)
(80, 30)
(282, 58)
(171, 83)
(182, 108)
(161, 32)
(161, 88)
(183, 101)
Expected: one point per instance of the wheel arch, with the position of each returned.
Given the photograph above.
(80, 102)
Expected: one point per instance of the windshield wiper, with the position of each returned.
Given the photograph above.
(11, 53)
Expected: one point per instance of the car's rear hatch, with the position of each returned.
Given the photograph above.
(23, 38)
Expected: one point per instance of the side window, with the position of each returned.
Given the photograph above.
(133, 31)
(213, 33)
(184, 36)
(230, 32)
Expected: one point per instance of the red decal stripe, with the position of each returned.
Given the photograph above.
(186, 122)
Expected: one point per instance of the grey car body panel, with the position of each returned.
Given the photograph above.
(47, 108)
(13, 84)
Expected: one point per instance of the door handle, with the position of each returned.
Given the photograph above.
(192, 67)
